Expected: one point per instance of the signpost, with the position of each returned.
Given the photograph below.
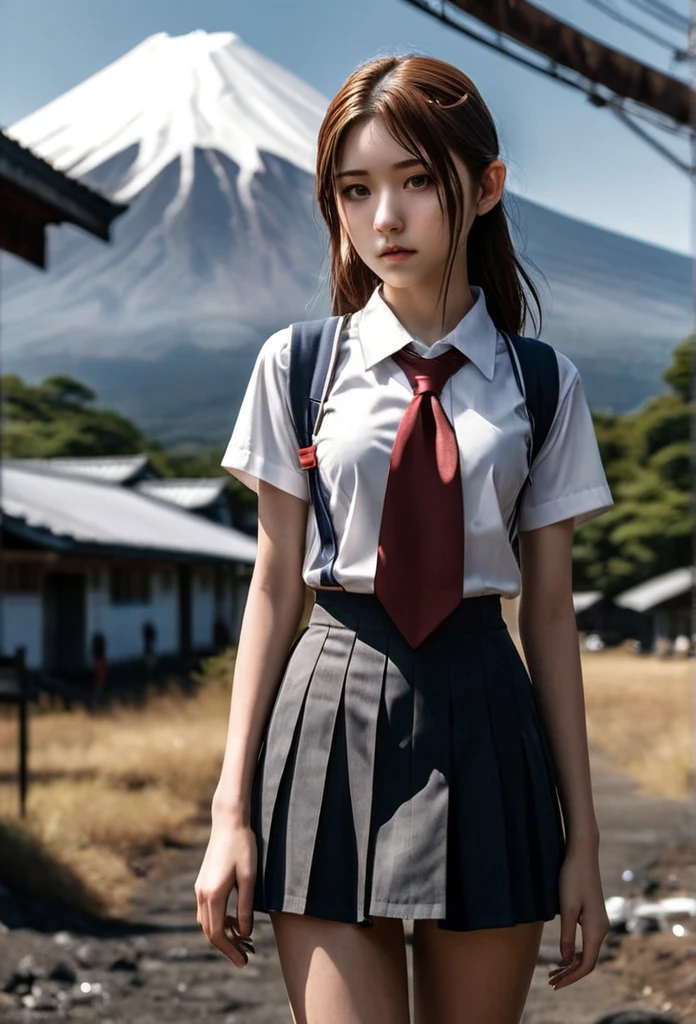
(13, 690)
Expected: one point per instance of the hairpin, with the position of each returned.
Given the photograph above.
(448, 106)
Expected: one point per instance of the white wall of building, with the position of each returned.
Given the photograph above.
(22, 615)
(21, 625)
(122, 625)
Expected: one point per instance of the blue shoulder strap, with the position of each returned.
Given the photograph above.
(539, 365)
(312, 345)
(541, 381)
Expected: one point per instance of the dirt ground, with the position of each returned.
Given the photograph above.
(158, 967)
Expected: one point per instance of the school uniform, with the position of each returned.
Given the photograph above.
(401, 781)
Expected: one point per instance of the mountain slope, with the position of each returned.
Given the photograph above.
(213, 146)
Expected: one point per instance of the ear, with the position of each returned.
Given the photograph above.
(490, 190)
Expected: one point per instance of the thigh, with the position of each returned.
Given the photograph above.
(343, 973)
(476, 977)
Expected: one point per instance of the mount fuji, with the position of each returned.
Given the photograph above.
(213, 146)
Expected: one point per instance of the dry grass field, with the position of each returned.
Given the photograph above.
(110, 791)
(642, 712)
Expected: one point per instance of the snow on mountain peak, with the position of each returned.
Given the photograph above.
(171, 95)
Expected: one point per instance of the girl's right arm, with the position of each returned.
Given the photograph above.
(274, 608)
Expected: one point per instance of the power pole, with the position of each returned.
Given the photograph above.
(607, 76)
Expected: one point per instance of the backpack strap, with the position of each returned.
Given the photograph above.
(539, 387)
(313, 355)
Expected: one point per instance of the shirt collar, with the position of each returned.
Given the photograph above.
(381, 333)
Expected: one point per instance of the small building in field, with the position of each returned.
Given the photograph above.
(206, 496)
(89, 553)
(661, 608)
(126, 470)
(595, 612)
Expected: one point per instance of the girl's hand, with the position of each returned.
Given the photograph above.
(229, 862)
(582, 902)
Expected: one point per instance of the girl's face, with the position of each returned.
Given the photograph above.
(386, 198)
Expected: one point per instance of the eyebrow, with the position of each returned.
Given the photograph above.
(397, 166)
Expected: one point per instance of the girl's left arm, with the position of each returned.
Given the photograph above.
(549, 638)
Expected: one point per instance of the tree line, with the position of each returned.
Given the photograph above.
(646, 456)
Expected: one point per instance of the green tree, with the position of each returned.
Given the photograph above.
(67, 391)
(59, 417)
(647, 459)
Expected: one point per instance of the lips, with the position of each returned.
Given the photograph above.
(393, 251)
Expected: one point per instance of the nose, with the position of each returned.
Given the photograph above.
(388, 216)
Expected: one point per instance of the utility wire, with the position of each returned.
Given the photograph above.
(611, 12)
(663, 13)
(681, 165)
(560, 74)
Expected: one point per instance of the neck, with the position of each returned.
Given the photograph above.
(420, 312)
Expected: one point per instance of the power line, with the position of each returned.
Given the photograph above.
(600, 5)
(575, 80)
(647, 137)
(663, 13)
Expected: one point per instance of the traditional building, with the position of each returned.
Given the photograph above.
(34, 194)
(662, 607)
(88, 553)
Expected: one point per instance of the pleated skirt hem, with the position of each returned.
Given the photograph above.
(402, 783)
(404, 912)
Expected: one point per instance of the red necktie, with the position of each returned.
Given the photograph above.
(420, 556)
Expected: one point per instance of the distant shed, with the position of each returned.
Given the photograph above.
(126, 470)
(595, 612)
(662, 606)
(207, 496)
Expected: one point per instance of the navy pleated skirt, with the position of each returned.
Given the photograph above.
(407, 783)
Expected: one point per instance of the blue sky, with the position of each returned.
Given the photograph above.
(560, 151)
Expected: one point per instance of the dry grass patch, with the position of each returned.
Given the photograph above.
(640, 710)
(108, 790)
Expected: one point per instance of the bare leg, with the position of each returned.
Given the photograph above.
(343, 973)
(476, 977)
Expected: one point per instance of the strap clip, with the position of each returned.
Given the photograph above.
(308, 457)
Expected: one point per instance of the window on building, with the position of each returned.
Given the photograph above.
(129, 584)
(20, 578)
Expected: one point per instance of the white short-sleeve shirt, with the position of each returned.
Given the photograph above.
(356, 434)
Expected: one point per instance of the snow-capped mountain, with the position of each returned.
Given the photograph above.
(213, 147)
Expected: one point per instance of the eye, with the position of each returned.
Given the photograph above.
(349, 191)
(421, 177)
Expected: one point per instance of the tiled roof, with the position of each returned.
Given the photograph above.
(76, 202)
(656, 591)
(76, 513)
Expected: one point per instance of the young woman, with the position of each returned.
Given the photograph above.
(394, 762)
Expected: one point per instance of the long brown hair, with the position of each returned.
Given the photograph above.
(429, 107)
